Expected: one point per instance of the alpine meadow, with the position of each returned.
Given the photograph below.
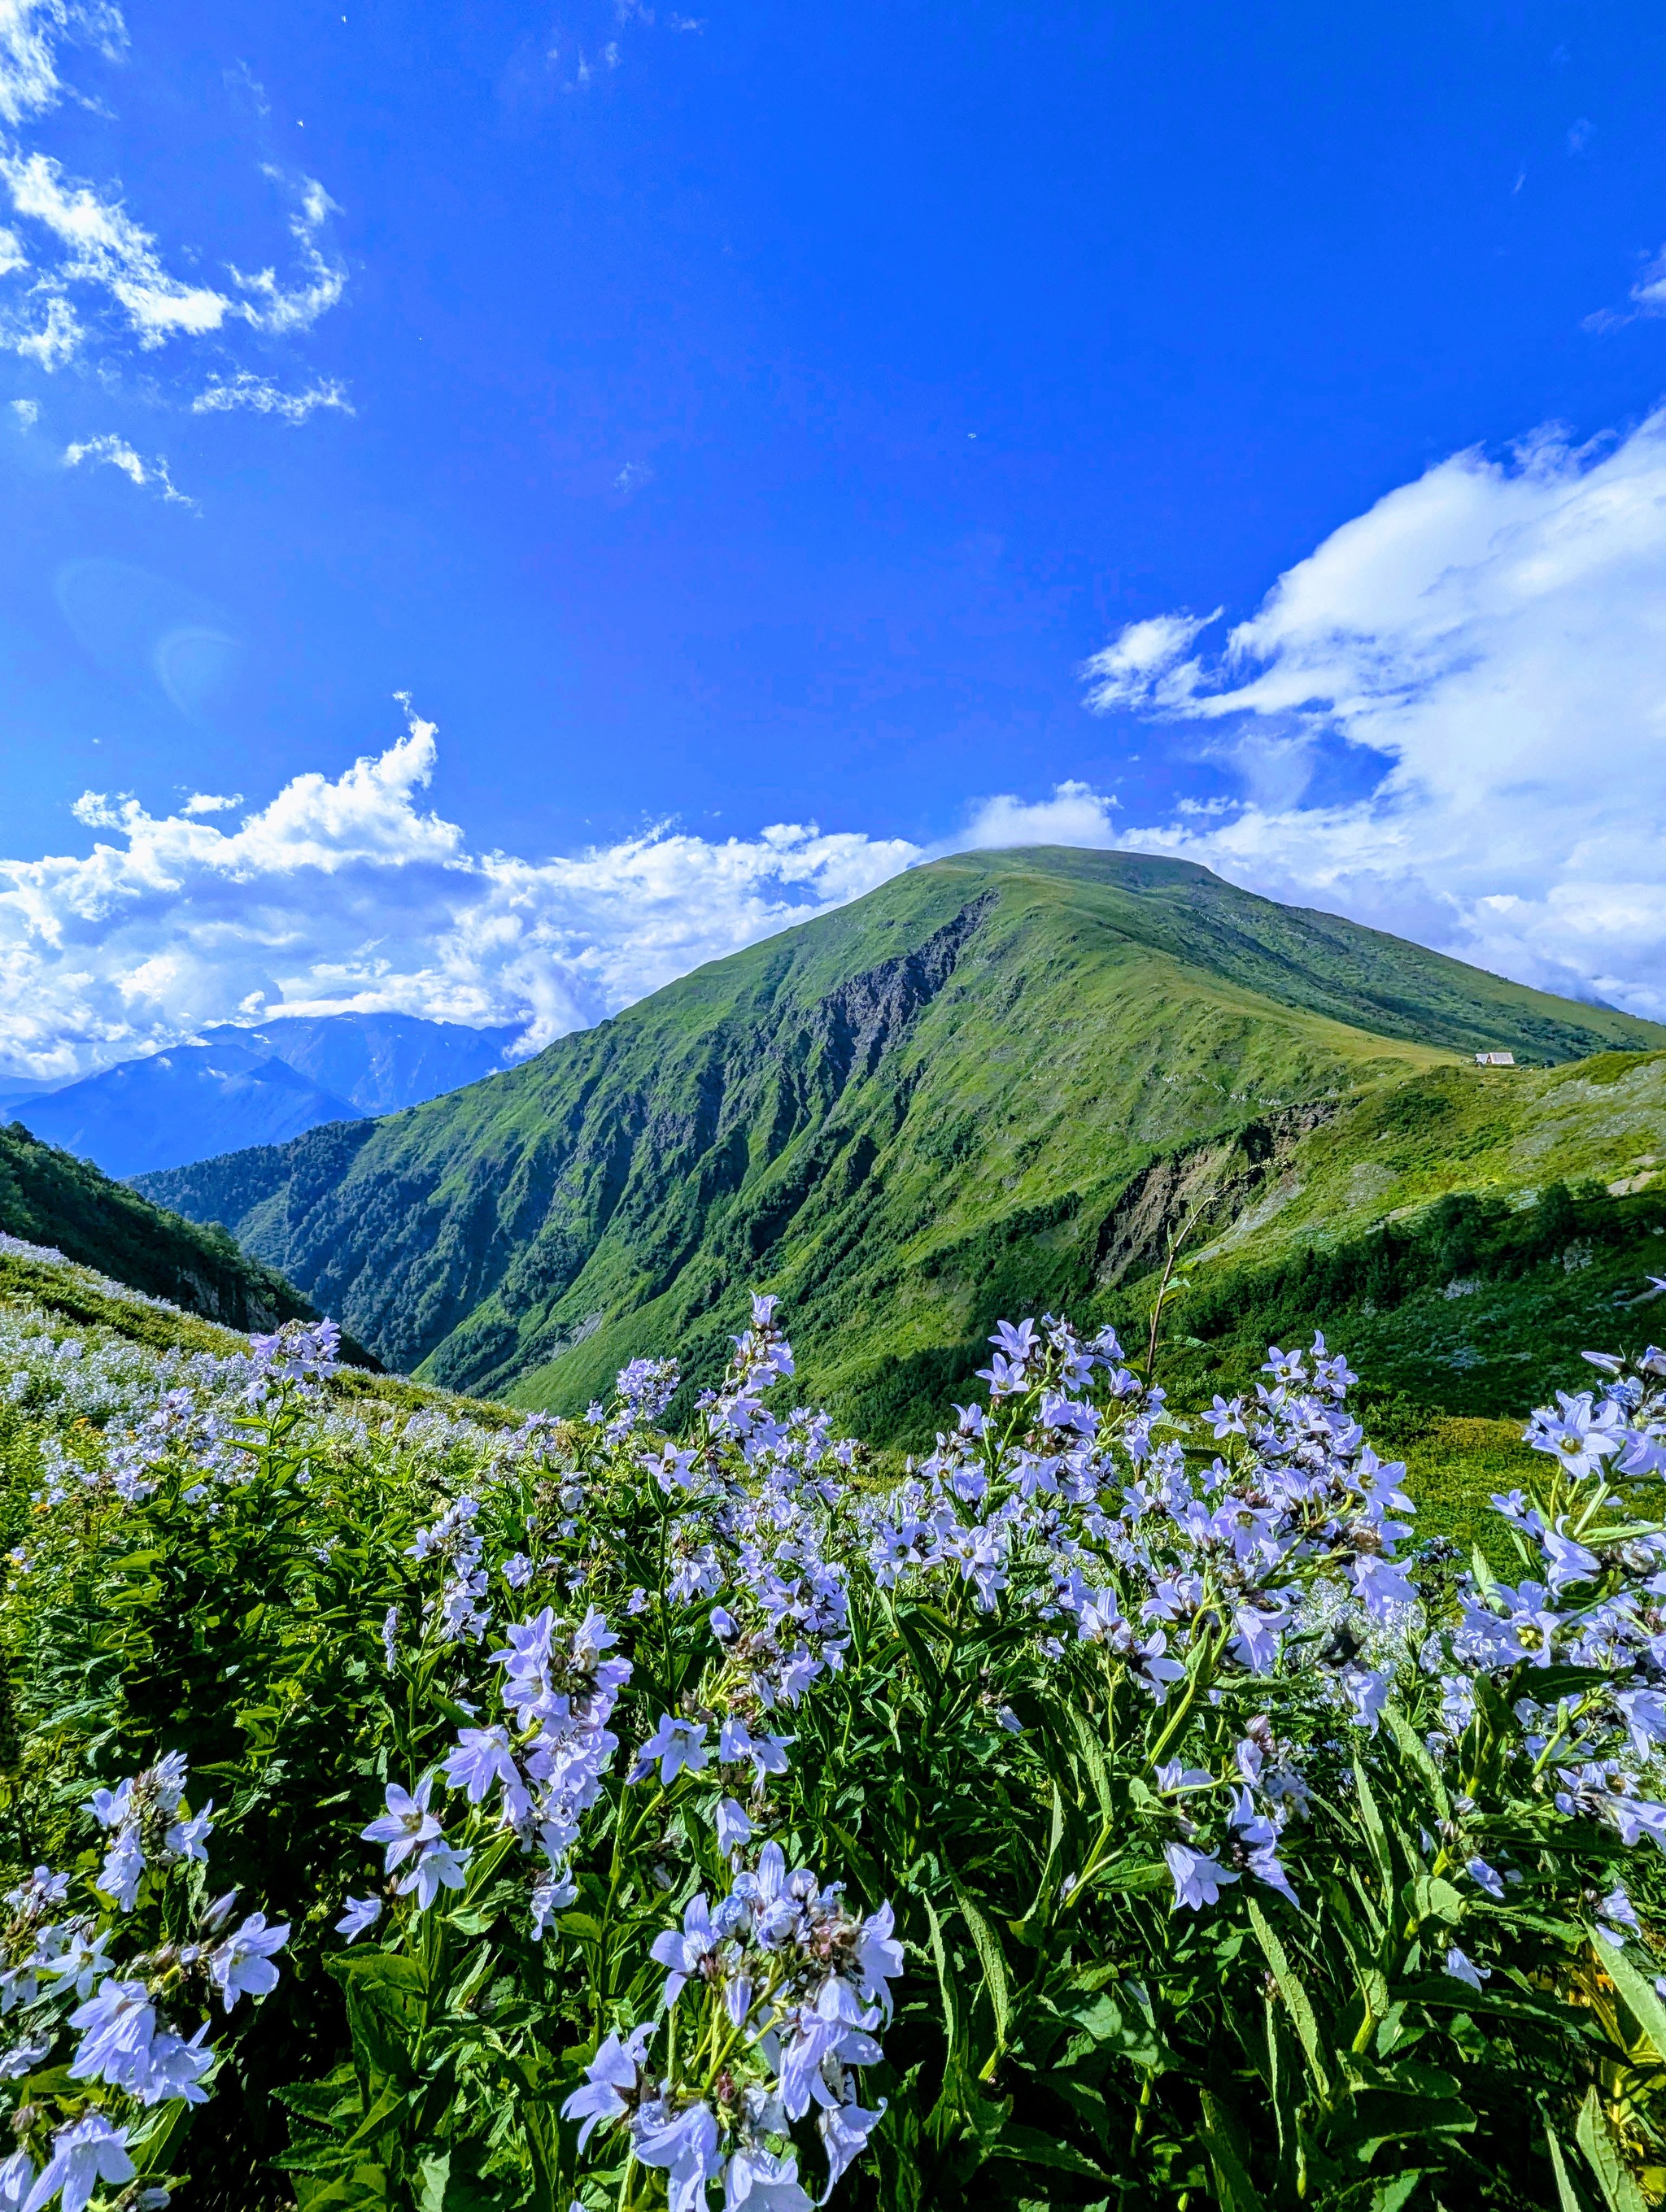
(832, 1107)
(1100, 1762)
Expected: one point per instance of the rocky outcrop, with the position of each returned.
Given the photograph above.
(1200, 1189)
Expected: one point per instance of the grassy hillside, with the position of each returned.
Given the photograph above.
(42, 1291)
(1456, 1233)
(960, 1097)
(51, 1199)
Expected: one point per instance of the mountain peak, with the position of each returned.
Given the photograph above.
(930, 1106)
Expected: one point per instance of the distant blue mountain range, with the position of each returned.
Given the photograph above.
(235, 1087)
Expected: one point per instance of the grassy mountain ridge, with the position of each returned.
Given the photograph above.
(909, 1116)
(50, 1198)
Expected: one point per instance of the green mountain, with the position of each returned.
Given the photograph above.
(51, 1199)
(995, 1084)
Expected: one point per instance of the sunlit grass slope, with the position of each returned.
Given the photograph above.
(910, 1117)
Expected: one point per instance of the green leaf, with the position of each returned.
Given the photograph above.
(1371, 1820)
(1295, 1997)
(1145, 1874)
(1390, 2196)
(1546, 1685)
(993, 1963)
(1106, 2020)
(1416, 1753)
(945, 1981)
(1620, 2192)
(1233, 2185)
(1638, 1990)
(1566, 2199)
(1436, 1900)
(1094, 1758)
(1030, 2146)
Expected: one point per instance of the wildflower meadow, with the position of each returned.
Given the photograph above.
(1120, 1807)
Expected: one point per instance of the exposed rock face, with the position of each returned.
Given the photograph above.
(862, 1019)
(1204, 1188)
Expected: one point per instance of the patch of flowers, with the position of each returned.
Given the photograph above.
(1123, 1808)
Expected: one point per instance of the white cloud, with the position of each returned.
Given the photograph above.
(26, 411)
(260, 394)
(283, 312)
(103, 247)
(1493, 638)
(349, 893)
(119, 454)
(1076, 814)
(29, 32)
(85, 279)
(1140, 656)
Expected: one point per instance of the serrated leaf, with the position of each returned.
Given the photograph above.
(993, 1963)
(1030, 2146)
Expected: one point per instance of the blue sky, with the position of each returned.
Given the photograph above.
(720, 419)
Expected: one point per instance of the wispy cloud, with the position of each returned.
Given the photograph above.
(31, 32)
(83, 280)
(119, 454)
(1486, 645)
(102, 247)
(1144, 657)
(283, 309)
(1647, 297)
(263, 397)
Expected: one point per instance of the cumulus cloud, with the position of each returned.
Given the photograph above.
(351, 893)
(119, 454)
(83, 279)
(1488, 644)
(1076, 814)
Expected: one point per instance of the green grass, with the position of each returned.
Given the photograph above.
(53, 1198)
(1453, 1466)
(67, 1298)
(910, 1118)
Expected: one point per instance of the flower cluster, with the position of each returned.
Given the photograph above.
(791, 1985)
(129, 2020)
(543, 1769)
(454, 1540)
